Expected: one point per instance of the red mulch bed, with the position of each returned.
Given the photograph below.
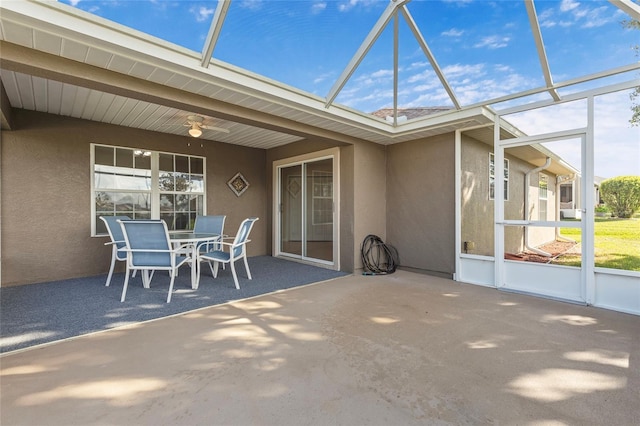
(555, 248)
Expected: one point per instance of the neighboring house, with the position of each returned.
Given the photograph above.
(570, 200)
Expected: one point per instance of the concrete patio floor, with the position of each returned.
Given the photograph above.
(403, 349)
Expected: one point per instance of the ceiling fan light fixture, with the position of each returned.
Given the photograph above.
(195, 131)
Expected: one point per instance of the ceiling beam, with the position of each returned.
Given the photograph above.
(432, 60)
(542, 54)
(567, 83)
(6, 115)
(32, 62)
(363, 49)
(629, 7)
(395, 68)
(214, 31)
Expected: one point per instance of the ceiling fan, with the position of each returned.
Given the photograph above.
(196, 124)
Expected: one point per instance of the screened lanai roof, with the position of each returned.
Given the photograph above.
(334, 69)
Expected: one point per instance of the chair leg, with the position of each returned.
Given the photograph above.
(124, 288)
(146, 280)
(173, 277)
(215, 269)
(113, 264)
(211, 267)
(199, 271)
(235, 276)
(246, 266)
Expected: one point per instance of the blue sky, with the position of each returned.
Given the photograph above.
(485, 48)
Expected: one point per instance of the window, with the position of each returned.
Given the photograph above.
(492, 177)
(543, 184)
(322, 213)
(146, 185)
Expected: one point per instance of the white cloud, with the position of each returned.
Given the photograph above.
(456, 70)
(453, 32)
(421, 77)
(597, 17)
(343, 7)
(571, 13)
(417, 65)
(502, 68)
(567, 5)
(493, 42)
(382, 74)
(350, 4)
(318, 7)
(459, 2)
(251, 4)
(202, 13)
(322, 77)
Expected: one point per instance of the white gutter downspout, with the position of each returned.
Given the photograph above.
(526, 207)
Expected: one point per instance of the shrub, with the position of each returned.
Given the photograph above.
(622, 195)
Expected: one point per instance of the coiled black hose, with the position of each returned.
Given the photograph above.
(378, 258)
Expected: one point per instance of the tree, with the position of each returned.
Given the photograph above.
(622, 195)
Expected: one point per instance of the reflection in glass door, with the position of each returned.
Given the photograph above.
(291, 197)
(307, 210)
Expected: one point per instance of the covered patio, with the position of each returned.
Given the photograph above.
(399, 349)
(99, 118)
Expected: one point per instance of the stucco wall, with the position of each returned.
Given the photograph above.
(359, 213)
(46, 202)
(477, 209)
(421, 203)
(369, 196)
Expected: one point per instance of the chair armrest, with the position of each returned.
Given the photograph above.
(174, 250)
(233, 245)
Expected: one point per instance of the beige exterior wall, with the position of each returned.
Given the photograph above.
(362, 192)
(403, 193)
(421, 204)
(477, 210)
(369, 196)
(46, 201)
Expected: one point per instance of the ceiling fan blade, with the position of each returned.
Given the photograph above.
(217, 129)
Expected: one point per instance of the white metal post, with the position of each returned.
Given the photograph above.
(498, 203)
(588, 206)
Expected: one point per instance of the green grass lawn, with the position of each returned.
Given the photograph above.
(617, 244)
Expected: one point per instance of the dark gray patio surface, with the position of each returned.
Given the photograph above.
(41, 313)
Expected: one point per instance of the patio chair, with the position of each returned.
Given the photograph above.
(210, 225)
(236, 250)
(117, 242)
(149, 249)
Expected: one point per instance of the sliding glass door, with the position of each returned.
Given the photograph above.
(306, 210)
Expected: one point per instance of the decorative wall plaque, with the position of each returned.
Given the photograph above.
(238, 184)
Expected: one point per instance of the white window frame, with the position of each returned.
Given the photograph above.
(154, 192)
(505, 175)
(543, 196)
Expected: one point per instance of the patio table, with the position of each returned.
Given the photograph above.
(191, 240)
